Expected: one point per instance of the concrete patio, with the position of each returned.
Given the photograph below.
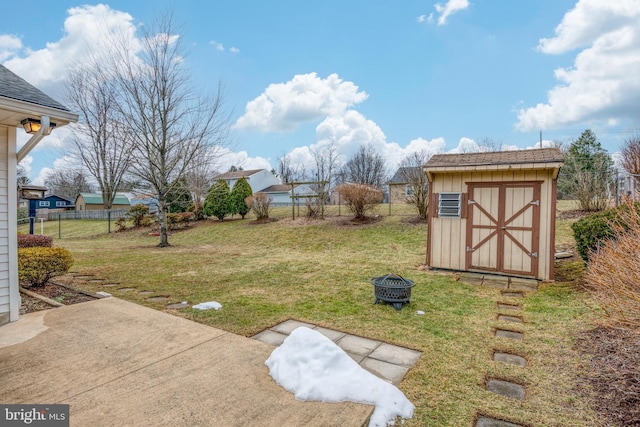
(117, 363)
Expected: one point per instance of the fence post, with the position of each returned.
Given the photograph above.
(109, 221)
(31, 221)
(59, 226)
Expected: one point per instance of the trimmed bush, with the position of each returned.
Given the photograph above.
(595, 230)
(34, 241)
(137, 213)
(217, 202)
(37, 265)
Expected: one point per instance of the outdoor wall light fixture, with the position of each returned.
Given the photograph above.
(32, 126)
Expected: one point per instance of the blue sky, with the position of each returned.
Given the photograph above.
(402, 76)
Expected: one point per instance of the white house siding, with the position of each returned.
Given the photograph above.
(9, 293)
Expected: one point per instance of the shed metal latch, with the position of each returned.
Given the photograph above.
(534, 254)
(469, 249)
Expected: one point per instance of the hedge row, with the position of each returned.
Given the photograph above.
(34, 241)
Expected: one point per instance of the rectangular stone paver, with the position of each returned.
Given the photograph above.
(512, 294)
(502, 333)
(506, 389)
(492, 422)
(506, 306)
(523, 284)
(330, 333)
(507, 318)
(270, 337)
(358, 345)
(289, 326)
(512, 359)
(496, 282)
(396, 355)
(389, 371)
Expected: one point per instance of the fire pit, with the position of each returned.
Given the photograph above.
(393, 289)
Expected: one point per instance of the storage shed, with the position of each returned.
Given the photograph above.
(493, 212)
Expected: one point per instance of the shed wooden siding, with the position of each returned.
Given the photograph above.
(447, 241)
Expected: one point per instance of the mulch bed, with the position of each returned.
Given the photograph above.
(614, 373)
(62, 294)
(31, 304)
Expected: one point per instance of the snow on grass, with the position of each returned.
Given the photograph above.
(208, 305)
(313, 367)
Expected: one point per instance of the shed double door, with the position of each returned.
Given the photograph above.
(503, 227)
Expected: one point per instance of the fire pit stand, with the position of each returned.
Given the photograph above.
(393, 289)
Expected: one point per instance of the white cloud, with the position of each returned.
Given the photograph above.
(421, 18)
(9, 46)
(217, 46)
(283, 107)
(65, 162)
(234, 50)
(241, 159)
(448, 9)
(602, 86)
(350, 131)
(26, 164)
(85, 31)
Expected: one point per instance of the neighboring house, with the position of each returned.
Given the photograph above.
(258, 179)
(494, 212)
(281, 194)
(21, 106)
(29, 192)
(49, 203)
(93, 202)
(400, 189)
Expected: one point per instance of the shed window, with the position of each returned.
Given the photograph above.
(44, 203)
(408, 190)
(449, 205)
(60, 204)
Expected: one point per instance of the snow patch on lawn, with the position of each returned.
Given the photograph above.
(208, 305)
(313, 367)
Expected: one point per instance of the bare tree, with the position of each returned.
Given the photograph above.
(173, 129)
(68, 183)
(630, 158)
(366, 167)
(487, 144)
(103, 145)
(411, 169)
(325, 162)
(21, 176)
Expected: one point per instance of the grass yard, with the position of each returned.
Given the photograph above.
(319, 271)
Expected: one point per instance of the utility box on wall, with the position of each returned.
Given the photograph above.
(493, 212)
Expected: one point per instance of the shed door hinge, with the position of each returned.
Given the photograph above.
(534, 254)
(471, 202)
(535, 203)
(469, 249)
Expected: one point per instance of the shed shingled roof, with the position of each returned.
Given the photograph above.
(15, 87)
(538, 155)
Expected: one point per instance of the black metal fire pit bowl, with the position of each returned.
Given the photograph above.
(393, 289)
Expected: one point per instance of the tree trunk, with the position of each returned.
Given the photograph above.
(162, 222)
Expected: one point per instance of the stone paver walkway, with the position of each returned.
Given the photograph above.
(510, 288)
(389, 362)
